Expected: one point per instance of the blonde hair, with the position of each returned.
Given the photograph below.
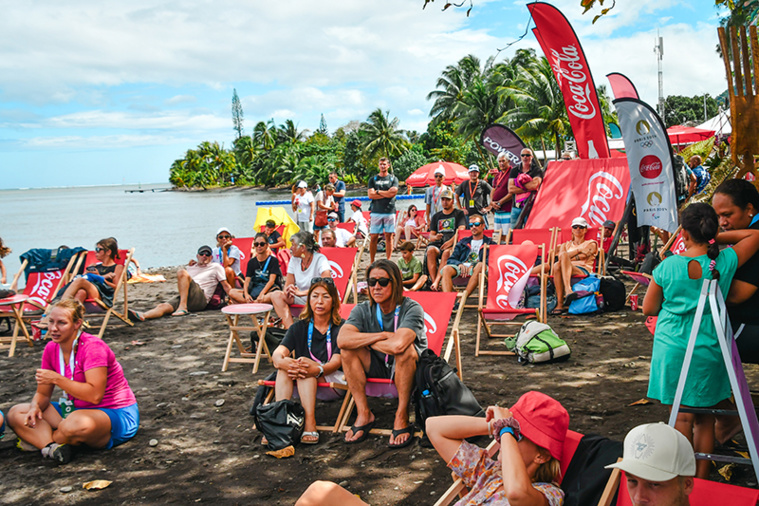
(74, 308)
(548, 472)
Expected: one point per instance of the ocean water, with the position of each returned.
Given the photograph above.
(165, 228)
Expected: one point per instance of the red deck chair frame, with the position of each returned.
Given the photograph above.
(345, 311)
(458, 490)
(96, 308)
(438, 308)
(508, 270)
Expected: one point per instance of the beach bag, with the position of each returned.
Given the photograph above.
(439, 391)
(613, 292)
(262, 393)
(532, 298)
(281, 422)
(537, 343)
(218, 299)
(320, 219)
(589, 299)
(273, 338)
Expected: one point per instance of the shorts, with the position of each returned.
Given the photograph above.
(382, 223)
(515, 212)
(502, 222)
(584, 270)
(196, 299)
(124, 422)
(457, 269)
(377, 366)
(255, 290)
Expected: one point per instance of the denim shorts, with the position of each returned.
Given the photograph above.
(124, 423)
(382, 223)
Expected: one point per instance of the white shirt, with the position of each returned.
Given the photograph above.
(303, 279)
(303, 205)
(342, 237)
(234, 252)
(360, 221)
(329, 202)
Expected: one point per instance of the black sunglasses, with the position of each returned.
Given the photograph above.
(526, 156)
(383, 282)
(328, 281)
(223, 236)
(438, 175)
(476, 223)
(259, 244)
(204, 254)
(331, 219)
(578, 226)
(99, 249)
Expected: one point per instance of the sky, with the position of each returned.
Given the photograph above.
(113, 92)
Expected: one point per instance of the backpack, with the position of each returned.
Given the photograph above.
(588, 291)
(613, 292)
(682, 181)
(281, 422)
(537, 343)
(439, 391)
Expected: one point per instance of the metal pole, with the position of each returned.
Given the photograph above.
(618, 232)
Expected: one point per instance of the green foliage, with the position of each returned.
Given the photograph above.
(323, 127)
(381, 136)
(237, 115)
(408, 162)
(679, 110)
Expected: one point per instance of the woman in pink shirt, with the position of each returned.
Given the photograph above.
(97, 408)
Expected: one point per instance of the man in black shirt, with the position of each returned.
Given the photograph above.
(443, 226)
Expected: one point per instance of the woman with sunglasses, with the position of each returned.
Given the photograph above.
(309, 354)
(573, 258)
(306, 263)
(262, 276)
(412, 225)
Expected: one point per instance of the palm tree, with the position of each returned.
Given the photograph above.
(381, 136)
(265, 134)
(289, 133)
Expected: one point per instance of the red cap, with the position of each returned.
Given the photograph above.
(356, 203)
(542, 420)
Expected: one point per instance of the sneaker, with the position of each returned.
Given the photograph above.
(61, 453)
(24, 446)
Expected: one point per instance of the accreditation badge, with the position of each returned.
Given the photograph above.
(471, 203)
(67, 406)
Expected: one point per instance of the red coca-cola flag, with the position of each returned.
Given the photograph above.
(564, 53)
(621, 86)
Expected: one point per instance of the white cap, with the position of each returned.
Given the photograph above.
(302, 184)
(657, 452)
(223, 229)
(474, 168)
(333, 214)
(580, 221)
(440, 170)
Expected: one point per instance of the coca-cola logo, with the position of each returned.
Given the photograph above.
(337, 271)
(43, 285)
(679, 245)
(650, 167)
(430, 327)
(568, 65)
(603, 188)
(510, 270)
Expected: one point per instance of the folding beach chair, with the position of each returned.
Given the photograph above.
(508, 272)
(96, 308)
(245, 245)
(594, 233)
(458, 490)
(344, 265)
(438, 308)
(705, 493)
(40, 288)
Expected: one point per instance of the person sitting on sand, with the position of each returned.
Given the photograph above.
(466, 259)
(411, 268)
(309, 353)
(306, 263)
(273, 237)
(98, 408)
(531, 434)
(382, 338)
(228, 255)
(573, 258)
(196, 284)
(342, 238)
(263, 275)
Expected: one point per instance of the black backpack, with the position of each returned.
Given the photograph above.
(439, 391)
(614, 293)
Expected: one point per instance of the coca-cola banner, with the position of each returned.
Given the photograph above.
(499, 139)
(564, 53)
(621, 86)
(594, 189)
(649, 158)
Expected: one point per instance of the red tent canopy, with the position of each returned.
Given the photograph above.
(680, 134)
(425, 175)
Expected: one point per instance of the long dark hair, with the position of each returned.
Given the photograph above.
(741, 192)
(332, 291)
(110, 244)
(701, 222)
(394, 273)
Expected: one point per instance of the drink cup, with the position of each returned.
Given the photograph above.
(634, 302)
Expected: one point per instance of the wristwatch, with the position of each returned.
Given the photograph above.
(321, 371)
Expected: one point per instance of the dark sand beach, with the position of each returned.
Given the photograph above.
(210, 454)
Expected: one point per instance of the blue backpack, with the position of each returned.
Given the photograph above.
(588, 292)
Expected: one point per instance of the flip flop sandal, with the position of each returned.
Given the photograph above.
(399, 432)
(570, 297)
(136, 315)
(180, 312)
(558, 311)
(309, 438)
(364, 432)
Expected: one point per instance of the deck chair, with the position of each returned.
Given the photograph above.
(344, 265)
(438, 308)
(41, 288)
(508, 272)
(245, 245)
(95, 308)
(595, 233)
(705, 493)
(458, 490)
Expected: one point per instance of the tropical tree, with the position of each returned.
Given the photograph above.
(408, 162)
(381, 135)
(265, 134)
(289, 133)
(237, 115)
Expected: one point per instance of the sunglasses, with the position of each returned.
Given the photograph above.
(204, 254)
(578, 226)
(99, 249)
(259, 244)
(331, 219)
(476, 223)
(383, 282)
(328, 281)
(223, 236)
(526, 156)
(438, 175)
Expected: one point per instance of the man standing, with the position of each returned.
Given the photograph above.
(523, 181)
(382, 338)
(443, 226)
(501, 197)
(339, 195)
(659, 464)
(476, 195)
(196, 284)
(432, 194)
(466, 259)
(382, 191)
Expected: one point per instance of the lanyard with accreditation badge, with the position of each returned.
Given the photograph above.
(329, 342)
(66, 404)
(382, 327)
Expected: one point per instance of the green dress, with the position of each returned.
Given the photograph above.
(707, 382)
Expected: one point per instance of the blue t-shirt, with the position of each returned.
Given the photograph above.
(340, 187)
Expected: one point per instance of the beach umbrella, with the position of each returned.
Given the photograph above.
(425, 175)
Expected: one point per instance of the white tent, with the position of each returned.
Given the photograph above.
(720, 123)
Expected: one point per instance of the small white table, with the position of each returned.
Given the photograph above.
(233, 313)
(16, 304)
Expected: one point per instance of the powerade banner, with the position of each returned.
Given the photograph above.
(499, 139)
(621, 86)
(649, 158)
(564, 53)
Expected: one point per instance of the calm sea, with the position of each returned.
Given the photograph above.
(165, 228)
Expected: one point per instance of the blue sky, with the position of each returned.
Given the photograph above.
(113, 92)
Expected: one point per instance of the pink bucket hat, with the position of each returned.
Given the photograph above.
(542, 420)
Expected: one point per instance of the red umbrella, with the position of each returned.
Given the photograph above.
(425, 175)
